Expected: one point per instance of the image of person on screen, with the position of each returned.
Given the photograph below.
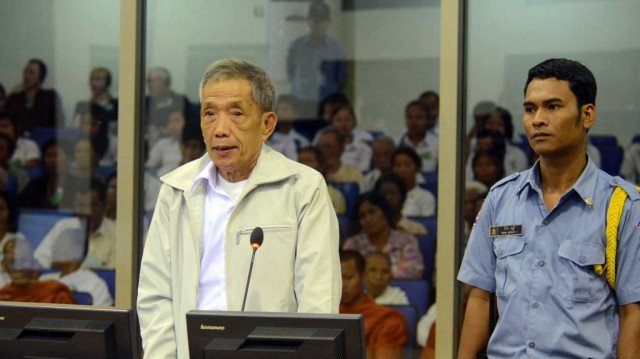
(19, 263)
(197, 252)
(316, 62)
(566, 282)
(385, 329)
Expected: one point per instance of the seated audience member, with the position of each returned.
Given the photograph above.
(420, 202)
(8, 224)
(111, 197)
(432, 99)
(378, 269)
(515, 160)
(18, 262)
(85, 160)
(192, 145)
(382, 150)
(312, 157)
(385, 329)
(105, 146)
(420, 135)
(33, 106)
(487, 141)
(331, 143)
(101, 104)
(474, 195)
(27, 152)
(53, 188)
(393, 188)
(377, 234)
(166, 155)
(357, 150)
(67, 255)
(426, 333)
(161, 102)
(12, 178)
(89, 203)
(488, 167)
(285, 139)
(151, 185)
(481, 113)
(630, 168)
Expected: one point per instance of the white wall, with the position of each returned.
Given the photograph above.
(509, 37)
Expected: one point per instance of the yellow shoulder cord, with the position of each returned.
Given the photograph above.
(614, 213)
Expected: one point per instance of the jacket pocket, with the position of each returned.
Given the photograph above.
(244, 234)
(578, 280)
(509, 257)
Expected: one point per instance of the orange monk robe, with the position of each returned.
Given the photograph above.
(48, 291)
(383, 327)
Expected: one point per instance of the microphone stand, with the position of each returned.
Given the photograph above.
(246, 290)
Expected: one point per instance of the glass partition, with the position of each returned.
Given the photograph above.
(58, 134)
(370, 70)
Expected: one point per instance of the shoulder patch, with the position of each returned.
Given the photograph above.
(632, 191)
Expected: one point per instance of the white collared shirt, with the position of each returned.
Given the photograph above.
(220, 200)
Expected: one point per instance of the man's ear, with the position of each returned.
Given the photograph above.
(269, 121)
(588, 115)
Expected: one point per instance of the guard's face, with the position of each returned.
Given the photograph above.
(554, 125)
(234, 127)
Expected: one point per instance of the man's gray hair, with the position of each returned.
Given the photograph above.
(262, 91)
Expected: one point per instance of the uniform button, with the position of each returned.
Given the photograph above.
(532, 345)
(535, 305)
(583, 259)
(541, 263)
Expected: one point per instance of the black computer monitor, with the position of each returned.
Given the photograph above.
(29, 330)
(275, 335)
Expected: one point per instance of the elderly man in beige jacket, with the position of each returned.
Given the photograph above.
(197, 252)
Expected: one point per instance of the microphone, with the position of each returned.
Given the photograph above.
(256, 241)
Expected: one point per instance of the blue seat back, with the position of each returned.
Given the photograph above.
(427, 245)
(34, 224)
(417, 291)
(83, 298)
(611, 158)
(350, 191)
(109, 276)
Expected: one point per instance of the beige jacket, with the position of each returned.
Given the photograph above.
(297, 269)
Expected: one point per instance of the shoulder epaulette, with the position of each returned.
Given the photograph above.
(506, 180)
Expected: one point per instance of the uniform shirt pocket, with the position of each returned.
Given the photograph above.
(508, 251)
(578, 280)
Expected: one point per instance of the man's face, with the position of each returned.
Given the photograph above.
(416, 119)
(495, 123)
(234, 127)
(381, 156)
(31, 76)
(89, 204)
(157, 83)
(553, 124)
(83, 154)
(434, 108)
(54, 159)
(329, 145)
(352, 282)
(392, 194)
(378, 275)
(175, 123)
(319, 28)
(98, 83)
(404, 167)
(343, 122)
(310, 159)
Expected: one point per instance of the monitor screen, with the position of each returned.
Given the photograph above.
(29, 330)
(275, 335)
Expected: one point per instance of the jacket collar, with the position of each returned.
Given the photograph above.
(271, 167)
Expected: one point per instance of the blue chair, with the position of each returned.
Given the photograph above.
(42, 134)
(109, 276)
(105, 171)
(417, 291)
(35, 224)
(430, 223)
(428, 249)
(611, 158)
(350, 191)
(83, 298)
(603, 140)
(33, 172)
(431, 183)
(411, 315)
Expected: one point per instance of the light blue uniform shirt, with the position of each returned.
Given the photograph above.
(551, 302)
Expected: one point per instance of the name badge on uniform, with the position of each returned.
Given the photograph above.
(501, 231)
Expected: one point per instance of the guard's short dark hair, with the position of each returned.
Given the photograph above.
(409, 152)
(348, 254)
(43, 68)
(581, 81)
